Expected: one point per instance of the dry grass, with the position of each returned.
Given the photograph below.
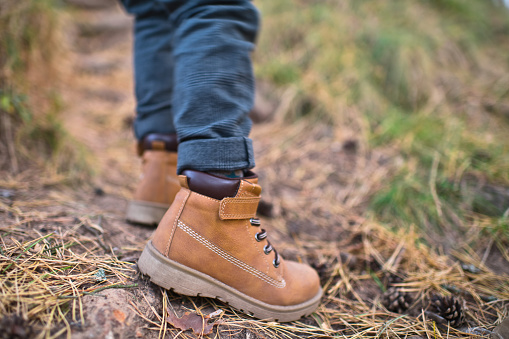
(51, 260)
(341, 135)
(46, 274)
(351, 305)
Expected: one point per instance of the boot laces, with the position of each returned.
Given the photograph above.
(262, 235)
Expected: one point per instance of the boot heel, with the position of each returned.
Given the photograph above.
(144, 212)
(168, 275)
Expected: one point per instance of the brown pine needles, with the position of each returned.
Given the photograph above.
(44, 278)
(348, 310)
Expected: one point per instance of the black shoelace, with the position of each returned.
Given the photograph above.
(262, 235)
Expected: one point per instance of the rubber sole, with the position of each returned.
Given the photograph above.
(184, 280)
(145, 212)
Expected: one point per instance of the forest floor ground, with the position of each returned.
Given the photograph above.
(315, 189)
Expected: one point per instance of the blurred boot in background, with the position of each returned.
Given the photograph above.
(158, 183)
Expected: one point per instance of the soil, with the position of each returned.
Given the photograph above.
(98, 92)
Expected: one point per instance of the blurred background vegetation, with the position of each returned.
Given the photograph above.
(426, 79)
(31, 132)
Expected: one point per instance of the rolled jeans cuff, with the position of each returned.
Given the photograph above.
(225, 154)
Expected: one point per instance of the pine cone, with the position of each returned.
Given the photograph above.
(448, 308)
(395, 300)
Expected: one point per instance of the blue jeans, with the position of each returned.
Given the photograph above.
(194, 77)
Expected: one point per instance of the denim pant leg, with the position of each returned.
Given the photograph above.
(153, 68)
(214, 82)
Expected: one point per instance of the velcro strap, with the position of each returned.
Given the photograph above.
(238, 208)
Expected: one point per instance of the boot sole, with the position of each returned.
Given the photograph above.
(145, 212)
(187, 281)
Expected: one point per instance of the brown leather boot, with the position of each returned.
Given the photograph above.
(159, 183)
(210, 243)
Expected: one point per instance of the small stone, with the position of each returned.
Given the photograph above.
(4, 193)
(100, 275)
(502, 330)
(350, 145)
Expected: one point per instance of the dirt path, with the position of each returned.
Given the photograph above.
(99, 108)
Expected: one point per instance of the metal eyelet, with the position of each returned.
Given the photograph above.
(261, 235)
(277, 259)
(255, 221)
(267, 249)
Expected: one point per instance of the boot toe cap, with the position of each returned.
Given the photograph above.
(303, 283)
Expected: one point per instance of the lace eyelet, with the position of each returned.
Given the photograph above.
(261, 235)
(276, 263)
(267, 249)
(255, 222)
(277, 259)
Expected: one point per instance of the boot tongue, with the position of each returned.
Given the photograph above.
(251, 177)
(249, 188)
